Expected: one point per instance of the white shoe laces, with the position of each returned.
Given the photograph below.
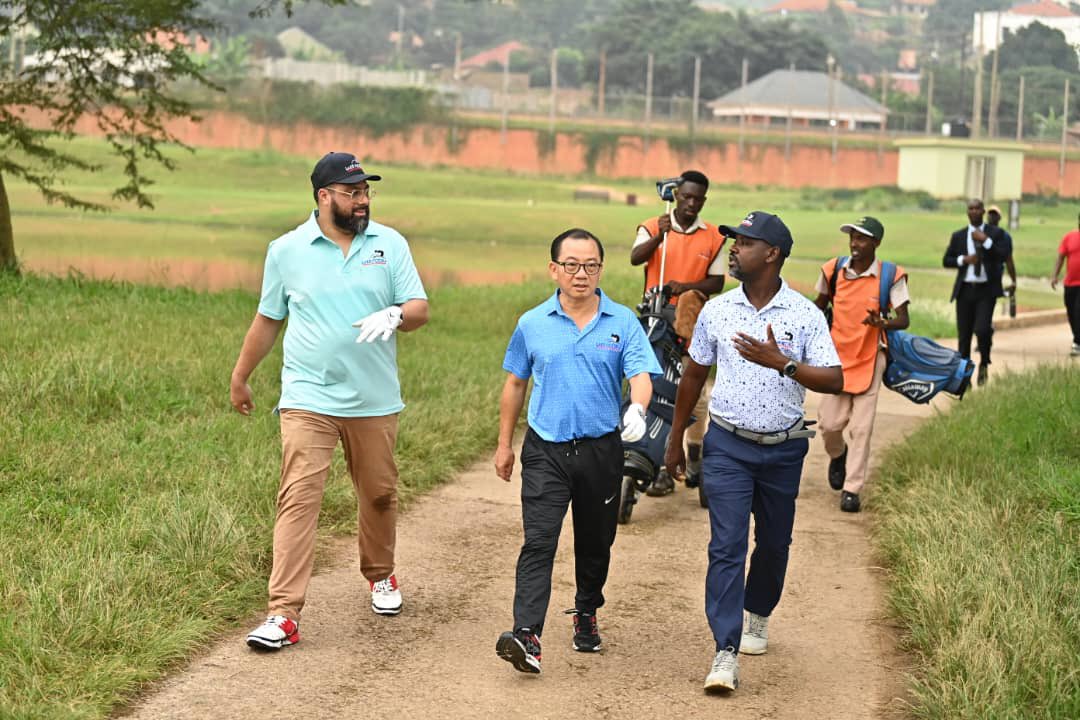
(724, 660)
(383, 586)
(756, 625)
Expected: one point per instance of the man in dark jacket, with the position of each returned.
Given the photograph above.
(978, 251)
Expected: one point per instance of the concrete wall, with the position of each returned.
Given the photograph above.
(525, 151)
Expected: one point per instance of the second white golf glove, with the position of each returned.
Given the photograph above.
(633, 423)
(379, 325)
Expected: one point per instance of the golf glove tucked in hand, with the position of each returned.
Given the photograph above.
(633, 423)
(379, 325)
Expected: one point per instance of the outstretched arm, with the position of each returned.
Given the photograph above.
(510, 404)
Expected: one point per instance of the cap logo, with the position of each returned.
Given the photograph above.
(862, 221)
(747, 221)
(353, 166)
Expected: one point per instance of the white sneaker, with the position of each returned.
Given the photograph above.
(274, 634)
(1075, 350)
(386, 596)
(724, 674)
(755, 635)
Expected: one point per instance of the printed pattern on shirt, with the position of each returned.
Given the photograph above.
(748, 395)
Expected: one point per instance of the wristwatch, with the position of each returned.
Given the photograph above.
(790, 368)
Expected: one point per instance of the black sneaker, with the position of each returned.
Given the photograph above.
(520, 648)
(693, 479)
(838, 470)
(662, 485)
(984, 374)
(586, 635)
(849, 502)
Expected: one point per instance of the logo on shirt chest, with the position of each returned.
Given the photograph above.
(785, 340)
(377, 258)
(612, 344)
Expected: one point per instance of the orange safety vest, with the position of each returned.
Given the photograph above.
(688, 255)
(856, 344)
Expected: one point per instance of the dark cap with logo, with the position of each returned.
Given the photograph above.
(762, 226)
(339, 167)
(866, 225)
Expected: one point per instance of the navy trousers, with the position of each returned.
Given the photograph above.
(585, 475)
(741, 477)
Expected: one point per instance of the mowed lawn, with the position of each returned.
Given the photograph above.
(225, 206)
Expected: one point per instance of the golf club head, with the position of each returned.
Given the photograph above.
(666, 188)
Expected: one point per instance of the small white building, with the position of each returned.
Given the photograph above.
(988, 28)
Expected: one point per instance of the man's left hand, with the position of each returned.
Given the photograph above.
(677, 288)
(767, 354)
(873, 318)
(379, 325)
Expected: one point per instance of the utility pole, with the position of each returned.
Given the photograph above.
(1064, 130)
(696, 95)
(400, 33)
(742, 109)
(976, 104)
(994, 88)
(929, 101)
(648, 98)
(885, 117)
(830, 61)
(787, 125)
(457, 56)
(505, 98)
(1020, 113)
(554, 89)
(602, 83)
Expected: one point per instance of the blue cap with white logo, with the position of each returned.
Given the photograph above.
(765, 226)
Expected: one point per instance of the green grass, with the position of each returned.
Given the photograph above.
(136, 507)
(979, 519)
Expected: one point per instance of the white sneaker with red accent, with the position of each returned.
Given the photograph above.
(386, 596)
(274, 634)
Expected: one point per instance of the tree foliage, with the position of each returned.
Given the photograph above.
(111, 61)
(1035, 46)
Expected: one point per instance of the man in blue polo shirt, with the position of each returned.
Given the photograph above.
(338, 382)
(577, 347)
(768, 343)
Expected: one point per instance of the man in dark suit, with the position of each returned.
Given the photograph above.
(978, 251)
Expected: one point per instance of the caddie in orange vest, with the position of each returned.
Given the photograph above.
(691, 262)
(858, 331)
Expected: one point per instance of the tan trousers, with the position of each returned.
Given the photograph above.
(696, 432)
(308, 441)
(855, 413)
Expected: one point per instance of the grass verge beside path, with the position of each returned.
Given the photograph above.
(980, 524)
(136, 507)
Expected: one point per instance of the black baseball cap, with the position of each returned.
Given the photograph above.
(339, 167)
(866, 225)
(765, 226)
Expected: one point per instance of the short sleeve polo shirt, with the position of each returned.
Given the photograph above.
(746, 394)
(323, 292)
(577, 374)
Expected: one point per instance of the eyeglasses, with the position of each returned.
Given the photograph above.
(571, 267)
(355, 194)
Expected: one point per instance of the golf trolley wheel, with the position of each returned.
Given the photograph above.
(627, 500)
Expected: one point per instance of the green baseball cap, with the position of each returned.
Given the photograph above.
(865, 225)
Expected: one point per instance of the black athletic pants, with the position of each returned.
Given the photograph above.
(1072, 307)
(975, 313)
(586, 474)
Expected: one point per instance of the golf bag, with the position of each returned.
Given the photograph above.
(643, 459)
(916, 367)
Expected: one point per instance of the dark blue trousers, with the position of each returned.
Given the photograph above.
(741, 477)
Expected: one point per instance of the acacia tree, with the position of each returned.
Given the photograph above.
(111, 61)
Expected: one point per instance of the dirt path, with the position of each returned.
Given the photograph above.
(832, 652)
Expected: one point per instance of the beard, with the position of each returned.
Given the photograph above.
(347, 221)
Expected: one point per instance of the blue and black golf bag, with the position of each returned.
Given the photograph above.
(643, 459)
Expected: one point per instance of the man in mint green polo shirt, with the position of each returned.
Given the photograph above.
(338, 381)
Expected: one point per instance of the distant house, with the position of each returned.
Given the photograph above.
(912, 8)
(808, 7)
(805, 96)
(500, 54)
(988, 28)
(298, 45)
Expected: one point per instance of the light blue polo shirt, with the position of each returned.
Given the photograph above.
(577, 374)
(323, 292)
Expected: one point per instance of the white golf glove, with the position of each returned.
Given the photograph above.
(379, 325)
(633, 423)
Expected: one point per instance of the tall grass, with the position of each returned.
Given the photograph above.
(980, 522)
(136, 507)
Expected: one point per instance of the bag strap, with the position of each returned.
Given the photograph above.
(888, 275)
(840, 262)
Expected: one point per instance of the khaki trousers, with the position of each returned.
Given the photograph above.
(696, 432)
(308, 441)
(855, 413)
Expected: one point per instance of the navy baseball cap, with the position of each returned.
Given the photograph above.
(339, 167)
(762, 226)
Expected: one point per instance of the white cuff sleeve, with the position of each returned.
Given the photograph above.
(960, 261)
(986, 245)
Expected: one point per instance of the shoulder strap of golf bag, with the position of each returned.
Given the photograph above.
(888, 276)
(840, 262)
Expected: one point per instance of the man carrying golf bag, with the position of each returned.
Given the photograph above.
(681, 254)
